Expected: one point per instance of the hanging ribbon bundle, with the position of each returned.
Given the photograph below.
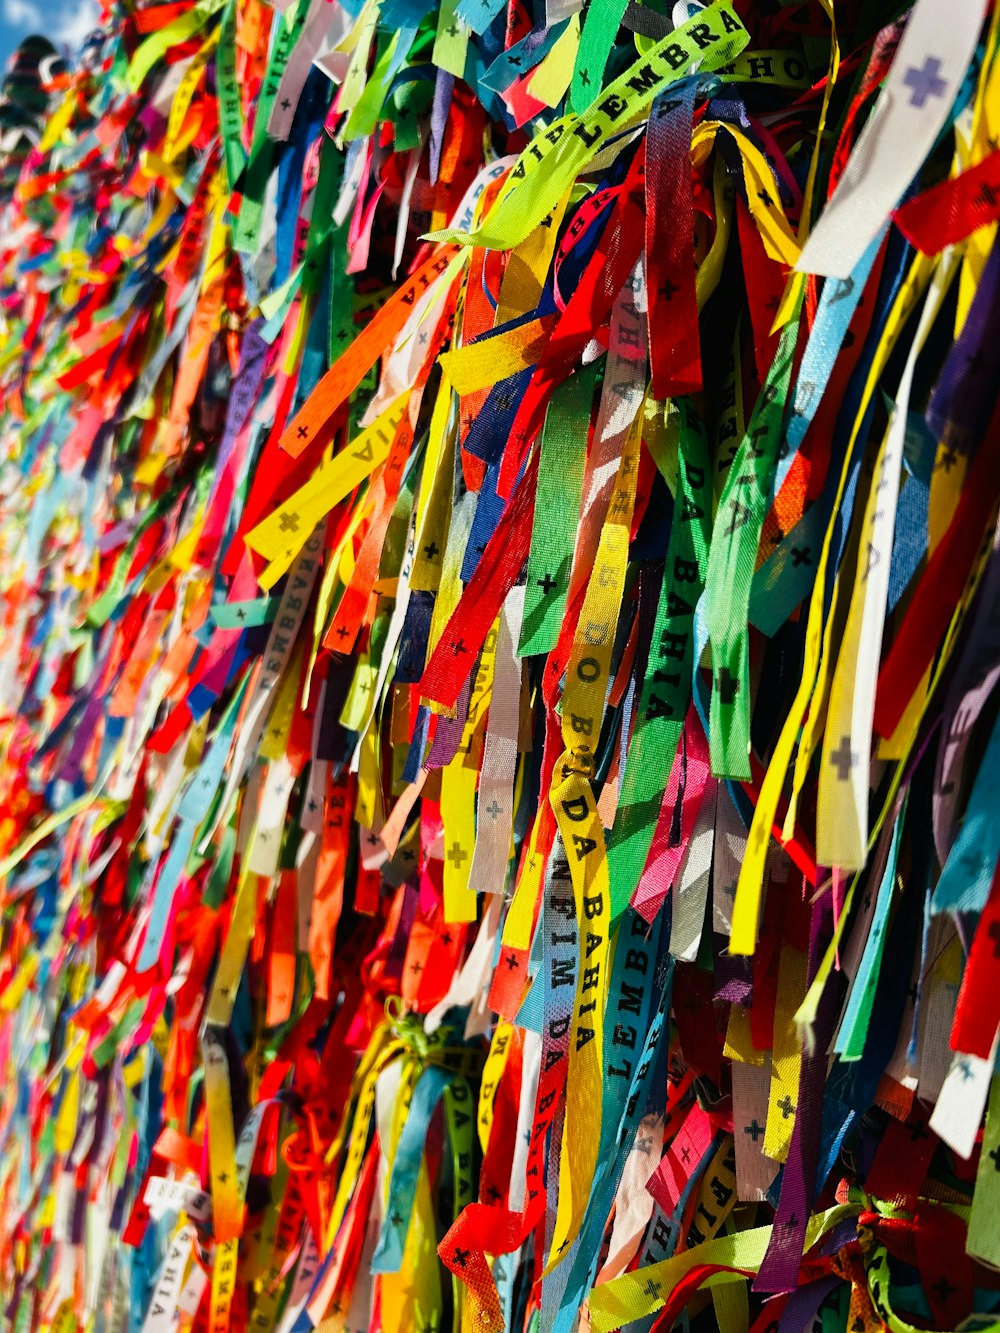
(500, 569)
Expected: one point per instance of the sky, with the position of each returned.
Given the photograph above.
(64, 22)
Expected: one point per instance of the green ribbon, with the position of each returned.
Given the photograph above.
(228, 93)
(557, 511)
(666, 688)
(735, 537)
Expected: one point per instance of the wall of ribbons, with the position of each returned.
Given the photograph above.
(500, 601)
